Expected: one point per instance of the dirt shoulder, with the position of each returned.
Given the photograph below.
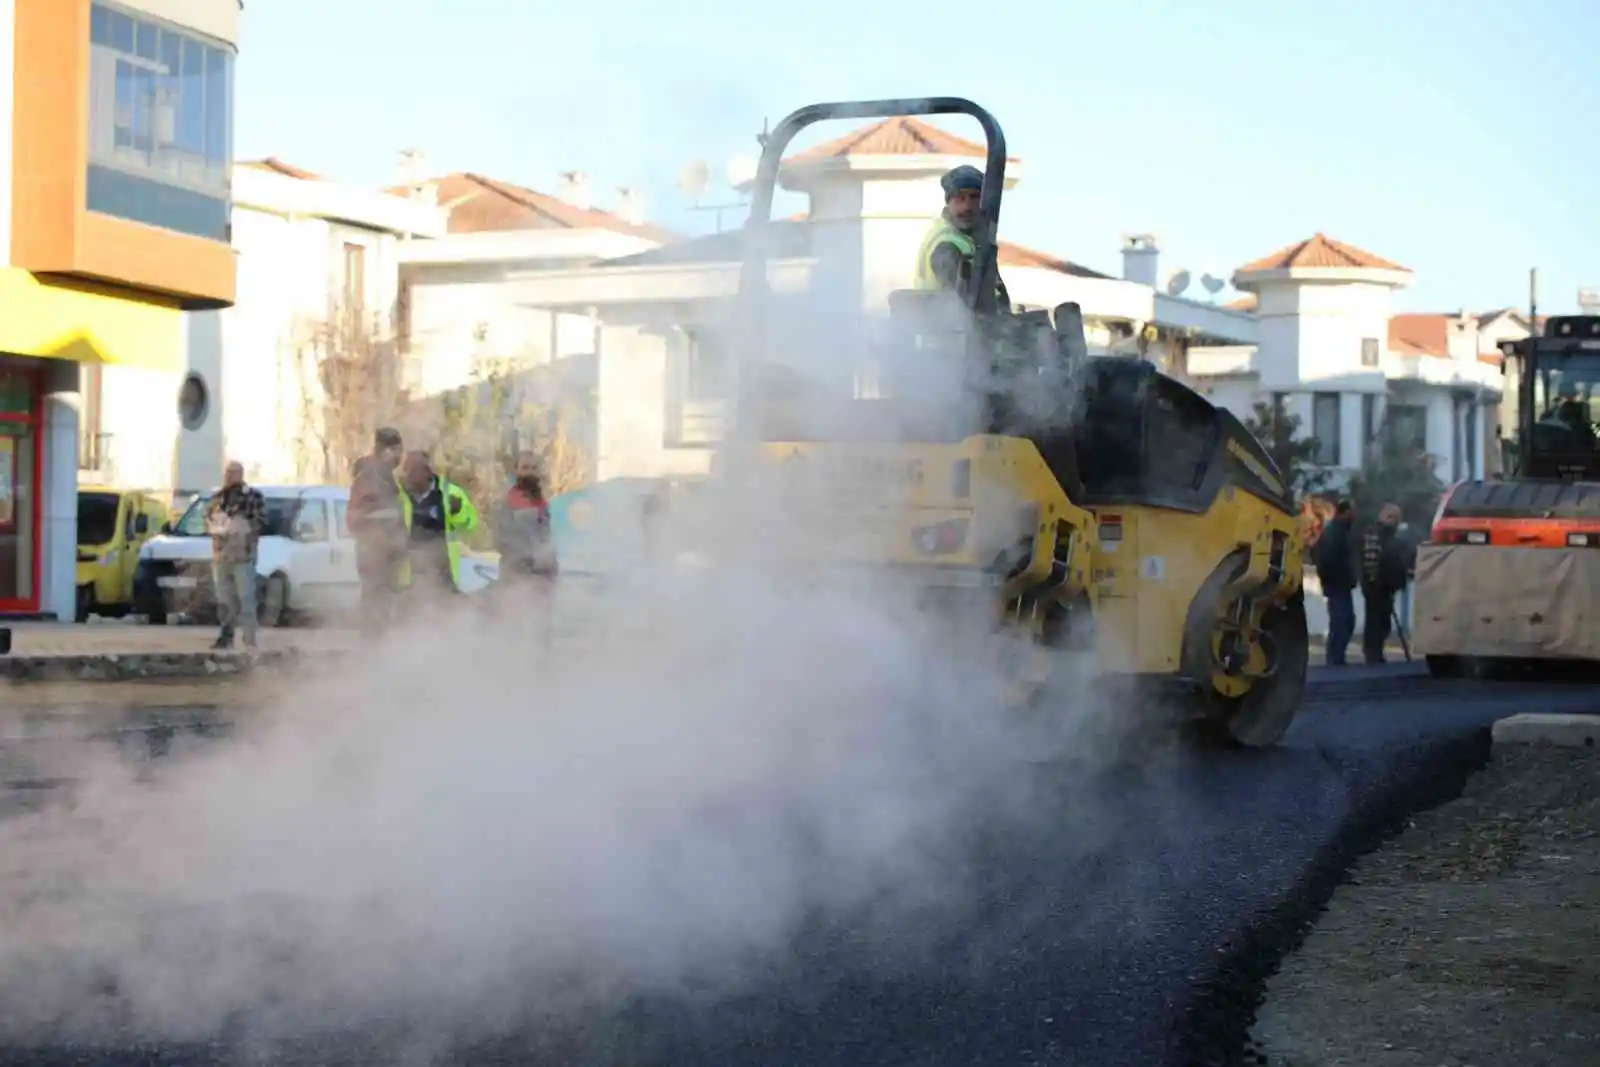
(1473, 938)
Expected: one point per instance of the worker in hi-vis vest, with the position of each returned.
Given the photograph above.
(948, 252)
(437, 514)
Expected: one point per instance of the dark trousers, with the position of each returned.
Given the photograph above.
(1375, 633)
(1341, 623)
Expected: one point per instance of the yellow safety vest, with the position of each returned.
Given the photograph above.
(941, 232)
(456, 524)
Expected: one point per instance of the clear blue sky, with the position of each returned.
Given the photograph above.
(1457, 138)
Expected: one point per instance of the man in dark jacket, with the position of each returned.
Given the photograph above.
(1335, 558)
(1384, 563)
(378, 527)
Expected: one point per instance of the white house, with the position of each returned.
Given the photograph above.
(460, 309)
(1331, 350)
(309, 250)
(660, 366)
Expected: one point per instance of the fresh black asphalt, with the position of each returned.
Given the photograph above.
(1132, 923)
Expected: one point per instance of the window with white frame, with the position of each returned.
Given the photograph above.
(1325, 416)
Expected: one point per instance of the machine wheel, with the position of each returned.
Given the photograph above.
(1262, 714)
(1445, 666)
(84, 606)
(273, 609)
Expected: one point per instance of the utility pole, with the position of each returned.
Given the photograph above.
(1533, 301)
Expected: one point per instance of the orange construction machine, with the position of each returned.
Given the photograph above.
(1511, 570)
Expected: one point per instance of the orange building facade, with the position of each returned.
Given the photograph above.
(115, 216)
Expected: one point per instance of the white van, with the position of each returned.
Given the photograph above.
(306, 561)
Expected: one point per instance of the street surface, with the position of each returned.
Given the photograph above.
(1133, 921)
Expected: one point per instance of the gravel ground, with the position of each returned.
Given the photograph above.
(1472, 938)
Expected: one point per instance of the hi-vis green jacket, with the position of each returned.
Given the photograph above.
(940, 233)
(941, 239)
(460, 519)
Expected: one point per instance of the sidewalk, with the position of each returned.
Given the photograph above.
(1473, 938)
(49, 651)
(134, 651)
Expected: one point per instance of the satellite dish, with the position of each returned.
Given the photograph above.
(1213, 284)
(1178, 282)
(742, 170)
(694, 178)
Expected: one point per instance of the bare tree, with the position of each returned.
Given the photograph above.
(477, 430)
(349, 376)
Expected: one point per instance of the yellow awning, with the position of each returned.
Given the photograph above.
(55, 322)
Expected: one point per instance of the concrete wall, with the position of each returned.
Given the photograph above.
(1312, 333)
(139, 416)
(632, 429)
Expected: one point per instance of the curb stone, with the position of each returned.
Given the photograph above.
(110, 667)
(1215, 1027)
(1539, 728)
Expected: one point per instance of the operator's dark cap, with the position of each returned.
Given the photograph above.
(962, 177)
(387, 437)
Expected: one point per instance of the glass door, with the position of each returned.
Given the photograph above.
(19, 472)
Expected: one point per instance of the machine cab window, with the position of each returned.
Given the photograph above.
(1566, 403)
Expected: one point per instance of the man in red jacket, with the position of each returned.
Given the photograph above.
(522, 531)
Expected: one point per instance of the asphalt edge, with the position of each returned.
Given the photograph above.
(1214, 1029)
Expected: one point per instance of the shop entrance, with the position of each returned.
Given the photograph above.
(19, 480)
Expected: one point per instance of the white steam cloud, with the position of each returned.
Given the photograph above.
(469, 825)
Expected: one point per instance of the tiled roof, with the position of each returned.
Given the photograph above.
(1248, 302)
(1320, 250)
(481, 205)
(274, 165)
(901, 136)
(1426, 334)
(1011, 255)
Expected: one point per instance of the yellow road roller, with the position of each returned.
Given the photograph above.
(1099, 506)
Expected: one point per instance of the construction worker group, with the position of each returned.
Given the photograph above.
(410, 524)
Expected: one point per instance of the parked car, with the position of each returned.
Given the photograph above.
(113, 526)
(306, 561)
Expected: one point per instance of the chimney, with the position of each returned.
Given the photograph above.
(575, 189)
(630, 205)
(1141, 259)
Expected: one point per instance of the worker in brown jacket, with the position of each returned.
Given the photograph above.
(378, 526)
